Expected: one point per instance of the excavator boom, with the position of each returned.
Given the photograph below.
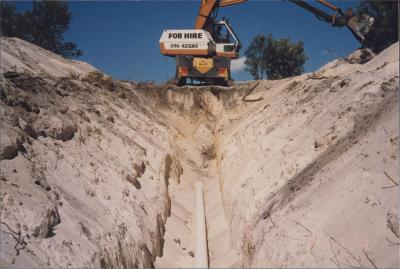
(207, 7)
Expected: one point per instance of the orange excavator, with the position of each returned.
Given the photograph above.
(204, 53)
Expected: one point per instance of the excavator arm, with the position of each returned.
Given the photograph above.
(358, 26)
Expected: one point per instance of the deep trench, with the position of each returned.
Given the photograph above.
(195, 114)
(194, 117)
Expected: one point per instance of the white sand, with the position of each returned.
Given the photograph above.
(300, 178)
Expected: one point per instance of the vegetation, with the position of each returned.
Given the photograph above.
(274, 58)
(44, 25)
(98, 79)
(385, 30)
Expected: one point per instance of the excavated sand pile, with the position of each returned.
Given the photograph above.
(310, 174)
(301, 172)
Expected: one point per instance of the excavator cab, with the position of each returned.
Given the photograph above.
(227, 43)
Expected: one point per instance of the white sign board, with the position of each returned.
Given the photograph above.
(186, 39)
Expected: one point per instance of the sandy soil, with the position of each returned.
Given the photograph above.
(301, 172)
(310, 173)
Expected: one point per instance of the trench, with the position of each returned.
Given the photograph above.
(196, 145)
(199, 118)
(179, 246)
(179, 136)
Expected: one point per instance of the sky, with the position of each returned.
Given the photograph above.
(121, 37)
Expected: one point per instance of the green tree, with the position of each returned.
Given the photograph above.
(44, 25)
(274, 58)
(255, 56)
(385, 30)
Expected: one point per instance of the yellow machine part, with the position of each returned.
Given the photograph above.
(203, 65)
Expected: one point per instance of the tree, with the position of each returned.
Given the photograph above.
(8, 18)
(274, 58)
(44, 26)
(385, 29)
(255, 56)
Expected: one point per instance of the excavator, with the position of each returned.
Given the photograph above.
(204, 53)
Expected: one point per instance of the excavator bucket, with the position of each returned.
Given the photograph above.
(360, 26)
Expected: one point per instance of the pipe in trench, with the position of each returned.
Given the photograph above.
(201, 253)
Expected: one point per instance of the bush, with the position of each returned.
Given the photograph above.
(98, 79)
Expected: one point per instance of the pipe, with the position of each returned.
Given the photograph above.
(200, 255)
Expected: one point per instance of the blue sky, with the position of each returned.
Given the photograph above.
(121, 37)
